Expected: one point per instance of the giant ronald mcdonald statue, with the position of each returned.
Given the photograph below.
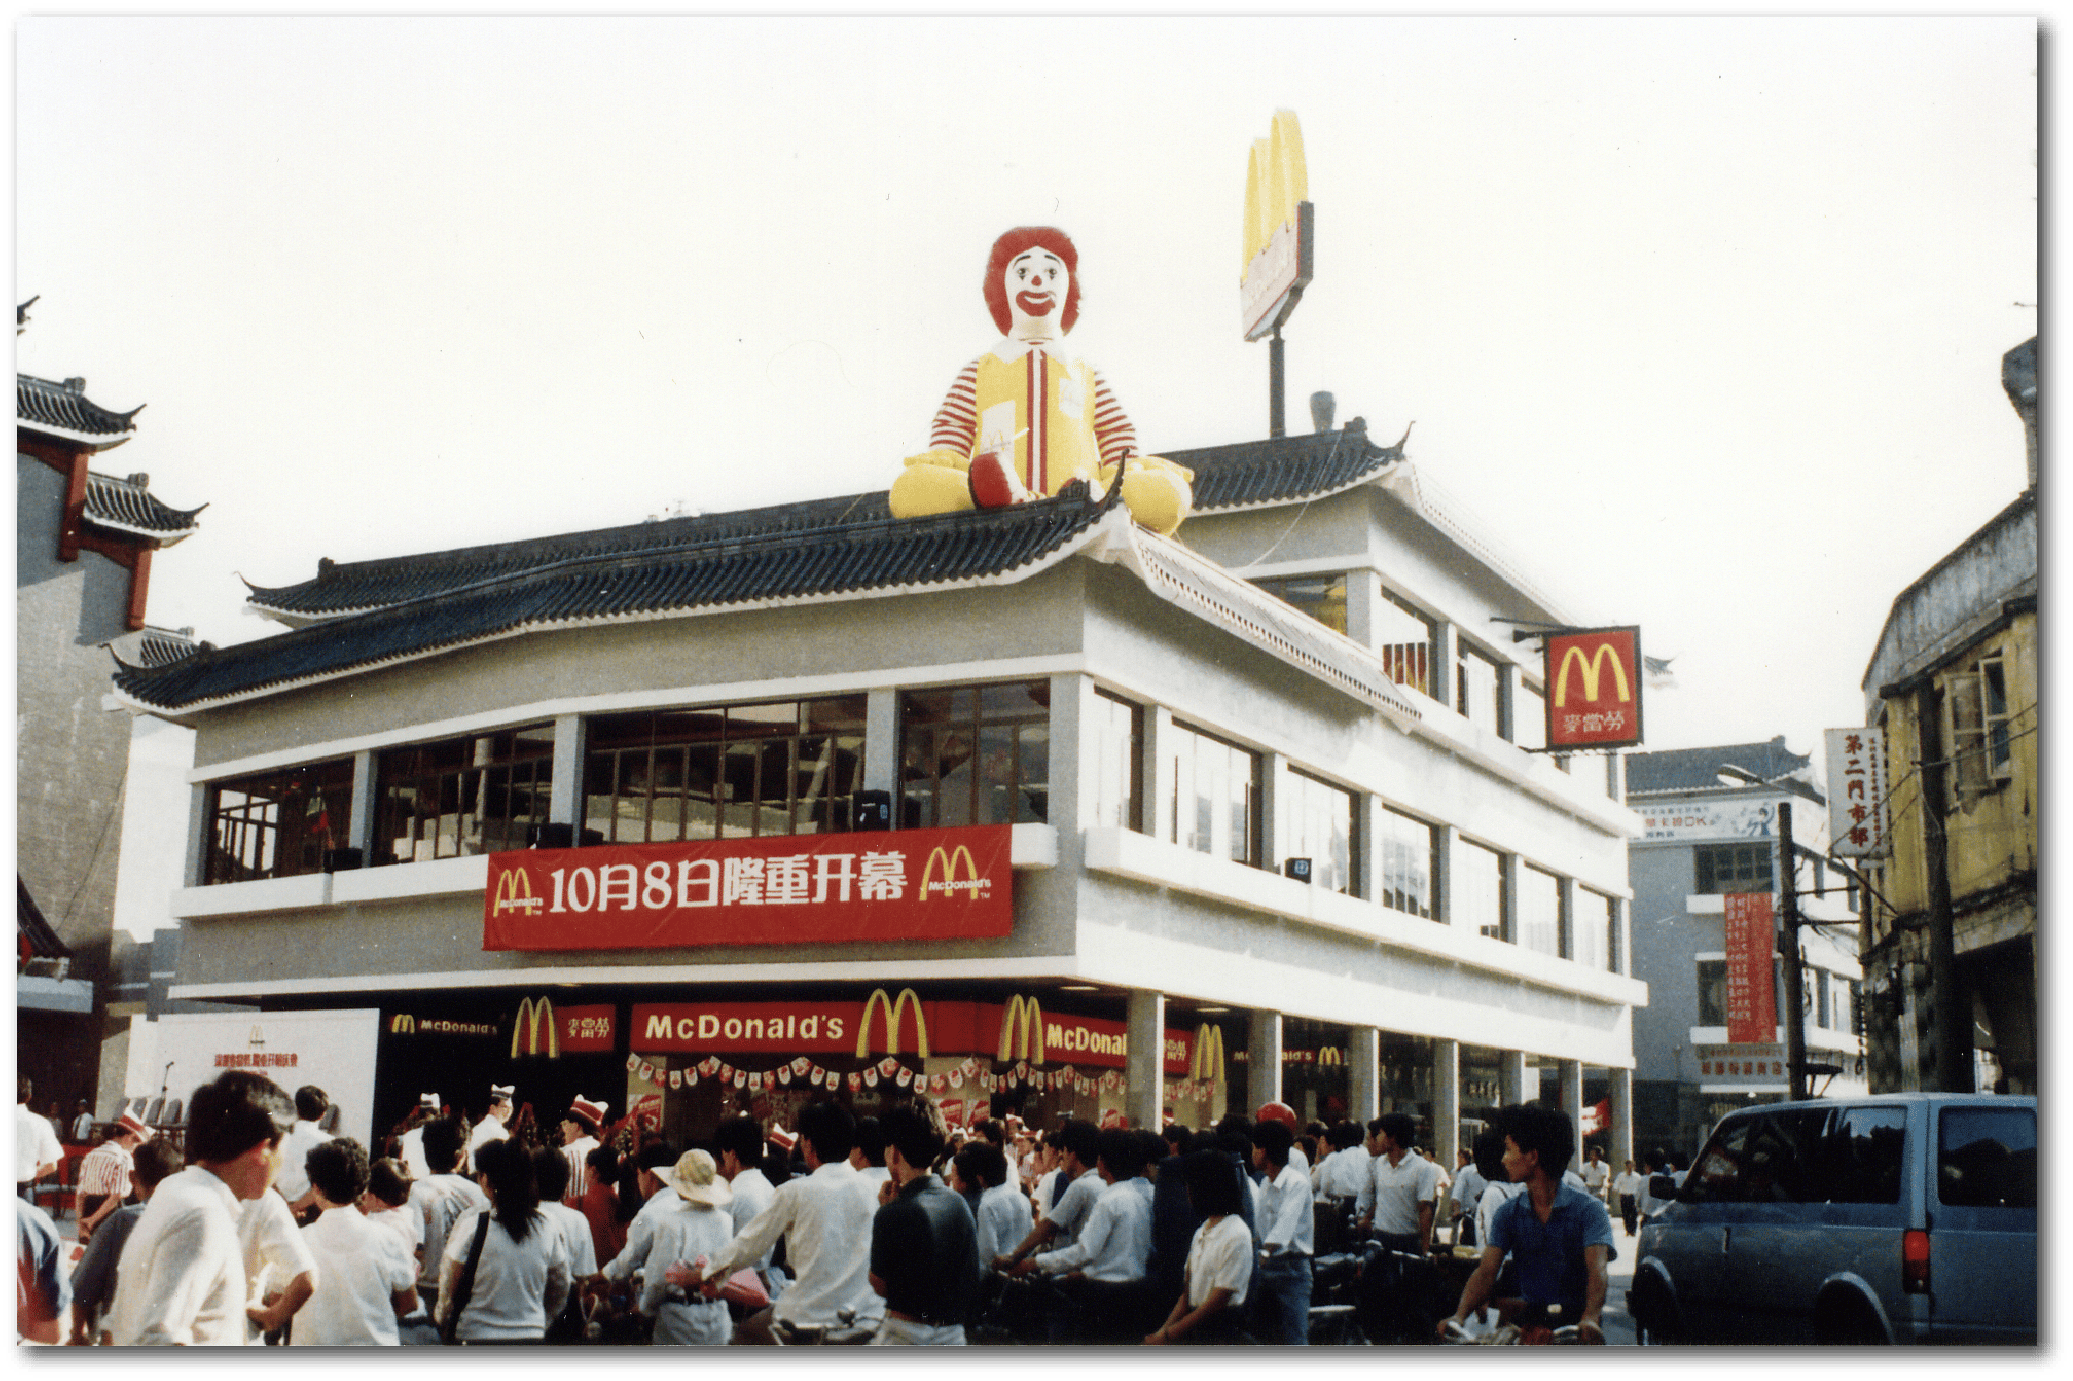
(1026, 418)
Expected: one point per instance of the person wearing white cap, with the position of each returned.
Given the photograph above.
(692, 1229)
(411, 1148)
(492, 1127)
(104, 1175)
(579, 1131)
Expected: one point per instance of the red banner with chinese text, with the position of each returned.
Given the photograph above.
(1752, 1009)
(1592, 688)
(803, 889)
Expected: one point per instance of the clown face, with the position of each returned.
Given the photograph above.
(1036, 282)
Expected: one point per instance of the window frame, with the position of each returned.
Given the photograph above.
(928, 787)
(259, 835)
(529, 747)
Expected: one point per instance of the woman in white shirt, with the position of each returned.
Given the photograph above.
(522, 1275)
(1220, 1259)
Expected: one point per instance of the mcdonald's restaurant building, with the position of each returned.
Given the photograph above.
(1029, 807)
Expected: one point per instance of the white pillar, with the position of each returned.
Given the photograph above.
(1364, 1073)
(1446, 651)
(1367, 846)
(1364, 600)
(1145, 1069)
(1444, 908)
(1508, 899)
(197, 835)
(1446, 1101)
(1572, 1076)
(1263, 1059)
(1511, 1078)
(882, 744)
(1621, 1092)
(1566, 918)
(565, 793)
(1274, 795)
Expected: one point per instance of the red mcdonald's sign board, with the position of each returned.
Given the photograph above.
(805, 889)
(1752, 1009)
(1593, 687)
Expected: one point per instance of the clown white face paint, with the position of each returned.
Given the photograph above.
(1036, 281)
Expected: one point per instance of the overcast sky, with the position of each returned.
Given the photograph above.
(1701, 319)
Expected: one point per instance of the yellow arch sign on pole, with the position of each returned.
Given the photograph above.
(1279, 227)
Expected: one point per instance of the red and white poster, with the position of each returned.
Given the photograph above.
(1752, 1010)
(803, 889)
(1593, 687)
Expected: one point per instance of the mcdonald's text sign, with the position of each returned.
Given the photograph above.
(1593, 688)
(805, 889)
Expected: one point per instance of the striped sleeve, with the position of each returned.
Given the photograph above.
(957, 421)
(103, 1173)
(1112, 430)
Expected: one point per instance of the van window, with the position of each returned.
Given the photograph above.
(1766, 1158)
(1865, 1155)
(1987, 1158)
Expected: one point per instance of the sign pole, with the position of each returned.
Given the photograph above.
(1788, 949)
(1275, 421)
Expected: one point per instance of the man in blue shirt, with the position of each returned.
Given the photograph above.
(1558, 1235)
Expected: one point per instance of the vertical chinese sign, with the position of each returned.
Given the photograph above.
(1857, 792)
(1752, 1009)
(1592, 679)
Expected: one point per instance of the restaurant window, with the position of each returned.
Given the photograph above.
(1324, 828)
(1477, 687)
(277, 824)
(1322, 597)
(1410, 859)
(1216, 795)
(976, 755)
(1540, 911)
(1480, 888)
(1117, 726)
(1720, 868)
(458, 797)
(1404, 640)
(788, 767)
(1712, 992)
(1596, 938)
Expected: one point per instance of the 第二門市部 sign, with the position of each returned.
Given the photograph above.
(903, 885)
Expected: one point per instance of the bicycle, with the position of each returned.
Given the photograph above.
(843, 1333)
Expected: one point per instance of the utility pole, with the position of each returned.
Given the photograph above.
(1950, 1021)
(1788, 950)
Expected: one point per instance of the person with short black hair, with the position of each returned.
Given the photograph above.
(738, 1145)
(649, 1162)
(1056, 1225)
(1110, 1250)
(867, 1158)
(1003, 1216)
(494, 1125)
(311, 1103)
(387, 1204)
(551, 1176)
(1626, 1188)
(1558, 1234)
(183, 1271)
(1402, 1190)
(924, 1244)
(365, 1280)
(93, 1279)
(439, 1199)
(1219, 1267)
(825, 1218)
(1281, 1293)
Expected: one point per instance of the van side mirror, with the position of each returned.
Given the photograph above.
(1662, 1187)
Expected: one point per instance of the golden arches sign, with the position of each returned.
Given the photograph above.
(1590, 668)
(402, 1024)
(514, 893)
(894, 1008)
(949, 862)
(1276, 182)
(532, 1013)
(1208, 1062)
(1023, 1015)
(1331, 1055)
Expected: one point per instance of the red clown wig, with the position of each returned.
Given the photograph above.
(1016, 241)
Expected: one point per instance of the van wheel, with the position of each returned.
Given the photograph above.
(1849, 1323)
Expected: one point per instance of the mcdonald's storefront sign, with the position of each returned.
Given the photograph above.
(804, 889)
(410, 1024)
(1593, 687)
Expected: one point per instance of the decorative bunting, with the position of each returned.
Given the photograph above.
(756, 1080)
(904, 1077)
(633, 1062)
(784, 1075)
(741, 1078)
(871, 1078)
(800, 1065)
(856, 1082)
(676, 1078)
(887, 1065)
(691, 1078)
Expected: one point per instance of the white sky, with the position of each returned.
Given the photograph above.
(1702, 318)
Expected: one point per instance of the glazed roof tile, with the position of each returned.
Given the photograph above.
(1287, 469)
(129, 506)
(63, 410)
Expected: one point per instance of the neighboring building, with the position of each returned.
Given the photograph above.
(1954, 683)
(83, 548)
(1160, 736)
(1704, 838)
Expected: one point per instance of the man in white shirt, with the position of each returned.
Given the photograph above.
(1111, 1245)
(440, 1198)
(280, 1272)
(1402, 1188)
(83, 1124)
(410, 1146)
(1003, 1217)
(739, 1144)
(1078, 1144)
(183, 1274)
(366, 1279)
(494, 1125)
(579, 1136)
(311, 1103)
(868, 1160)
(1469, 1184)
(1626, 1191)
(1596, 1173)
(1281, 1293)
(36, 1148)
(825, 1218)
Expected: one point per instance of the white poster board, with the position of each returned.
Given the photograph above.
(333, 1050)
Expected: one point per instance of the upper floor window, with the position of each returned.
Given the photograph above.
(1595, 940)
(1404, 638)
(1540, 911)
(479, 794)
(976, 755)
(1479, 888)
(1216, 795)
(1117, 727)
(1324, 827)
(1712, 977)
(1478, 688)
(1731, 868)
(277, 824)
(1976, 725)
(1410, 859)
(1322, 597)
(731, 772)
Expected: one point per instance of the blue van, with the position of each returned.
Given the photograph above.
(1897, 1218)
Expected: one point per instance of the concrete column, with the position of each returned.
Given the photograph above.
(1274, 793)
(1145, 1068)
(1367, 846)
(1070, 748)
(360, 810)
(1364, 1073)
(1622, 936)
(197, 835)
(1446, 649)
(1443, 908)
(1566, 920)
(1616, 776)
(882, 744)
(1508, 901)
(1572, 1076)
(1158, 772)
(565, 795)
(1621, 1093)
(1364, 603)
(1263, 1059)
(1507, 698)
(1446, 1101)
(1511, 1077)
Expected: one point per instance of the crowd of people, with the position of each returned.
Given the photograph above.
(891, 1229)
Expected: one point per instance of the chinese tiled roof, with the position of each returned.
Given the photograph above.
(767, 557)
(154, 647)
(1286, 469)
(34, 939)
(128, 506)
(62, 410)
(1697, 769)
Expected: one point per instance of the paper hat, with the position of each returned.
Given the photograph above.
(594, 1111)
(128, 1123)
(501, 1093)
(697, 1179)
(428, 1100)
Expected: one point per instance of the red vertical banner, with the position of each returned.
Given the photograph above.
(1752, 1009)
